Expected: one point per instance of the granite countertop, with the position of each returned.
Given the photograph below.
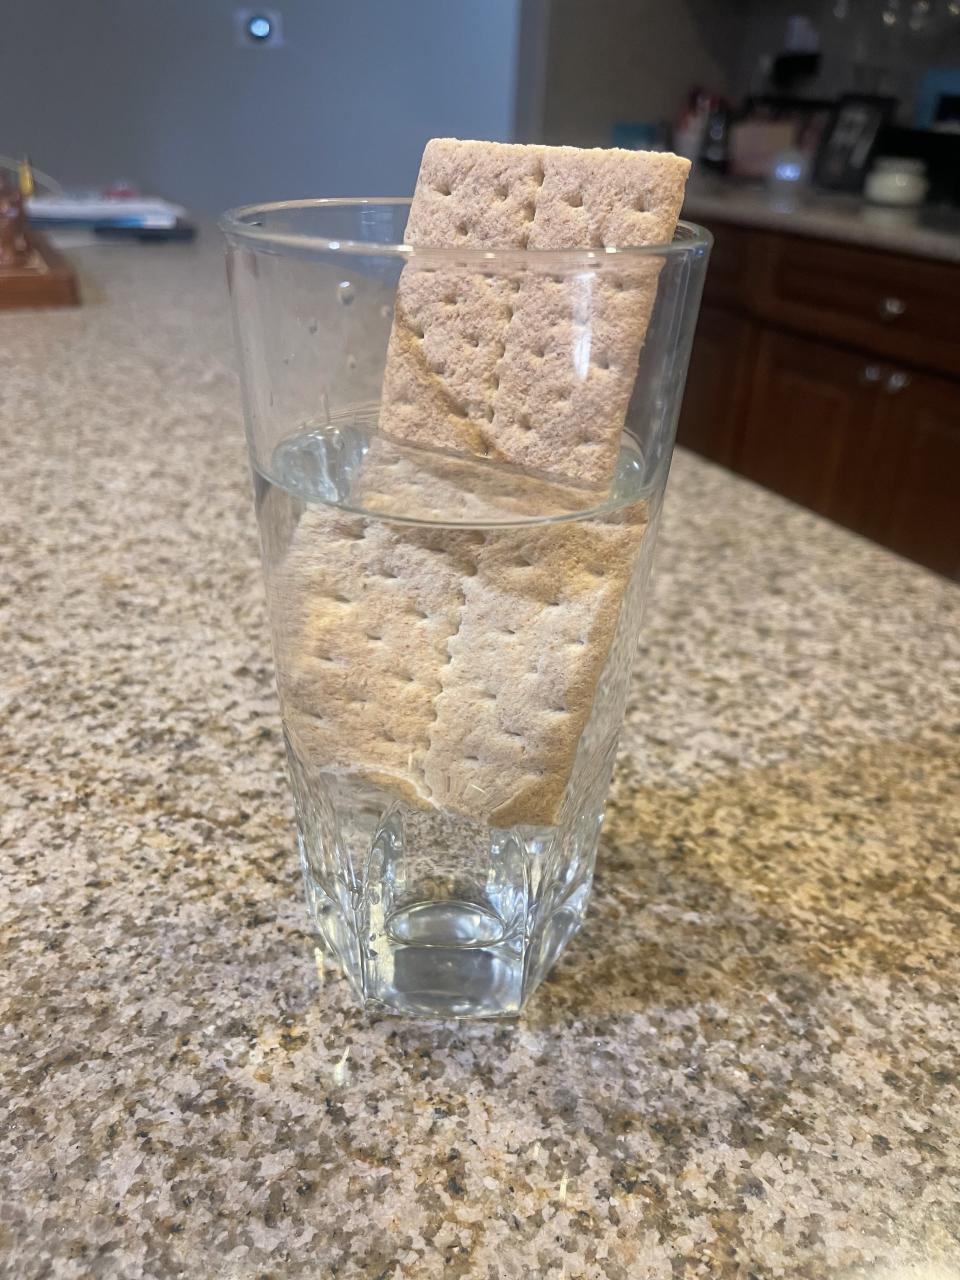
(746, 1066)
(924, 233)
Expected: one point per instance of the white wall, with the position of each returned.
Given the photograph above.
(159, 91)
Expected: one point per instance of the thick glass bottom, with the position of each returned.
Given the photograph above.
(448, 958)
(430, 915)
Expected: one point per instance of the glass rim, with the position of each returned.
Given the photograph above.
(239, 228)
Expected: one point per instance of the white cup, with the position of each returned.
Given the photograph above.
(897, 180)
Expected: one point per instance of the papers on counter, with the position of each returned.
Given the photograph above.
(89, 209)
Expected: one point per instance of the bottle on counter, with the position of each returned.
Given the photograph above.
(715, 151)
(691, 128)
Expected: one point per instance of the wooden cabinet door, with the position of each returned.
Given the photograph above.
(808, 424)
(716, 385)
(872, 446)
(730, 276)
(918, 423)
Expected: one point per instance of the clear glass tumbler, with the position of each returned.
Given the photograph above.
(453, 636)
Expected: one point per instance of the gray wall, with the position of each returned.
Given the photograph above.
(611, 60)
(615, 60)
(159, 91)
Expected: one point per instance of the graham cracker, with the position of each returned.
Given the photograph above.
(535, 366)
(536, 627)
(362, 617)
(455, 667)
(459, 666)
(412, 481)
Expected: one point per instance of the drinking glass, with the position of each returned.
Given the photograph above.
(453, 636)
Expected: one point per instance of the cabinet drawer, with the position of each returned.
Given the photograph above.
(902, 308)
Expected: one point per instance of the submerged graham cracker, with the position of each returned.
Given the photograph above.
(530, 367)
(427, 484)
(363, 613)
(536, 627)
(456, 667)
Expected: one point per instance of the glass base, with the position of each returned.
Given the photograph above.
(449, 959)
(429, 915)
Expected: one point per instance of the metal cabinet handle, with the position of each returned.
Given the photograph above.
(871, 373)
(898, 381)
(891, 308)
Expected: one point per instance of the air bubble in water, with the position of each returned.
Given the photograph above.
(345, 293)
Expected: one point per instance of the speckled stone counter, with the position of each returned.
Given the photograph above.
(746, 1066)
(921, 233)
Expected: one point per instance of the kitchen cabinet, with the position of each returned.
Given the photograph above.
(717, 383)
(868, 444)
(901, 308)
(815, 397)
(920, 427)
(831, 374)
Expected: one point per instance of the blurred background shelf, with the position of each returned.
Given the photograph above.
(48, 279)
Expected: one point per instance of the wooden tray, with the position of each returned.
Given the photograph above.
(47, 279)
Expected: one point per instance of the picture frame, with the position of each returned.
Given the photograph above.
(849, 140)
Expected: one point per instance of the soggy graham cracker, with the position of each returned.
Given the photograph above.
(457, 668)
(537, 623)
(404, 480)
(363, 614)
(531, 368)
